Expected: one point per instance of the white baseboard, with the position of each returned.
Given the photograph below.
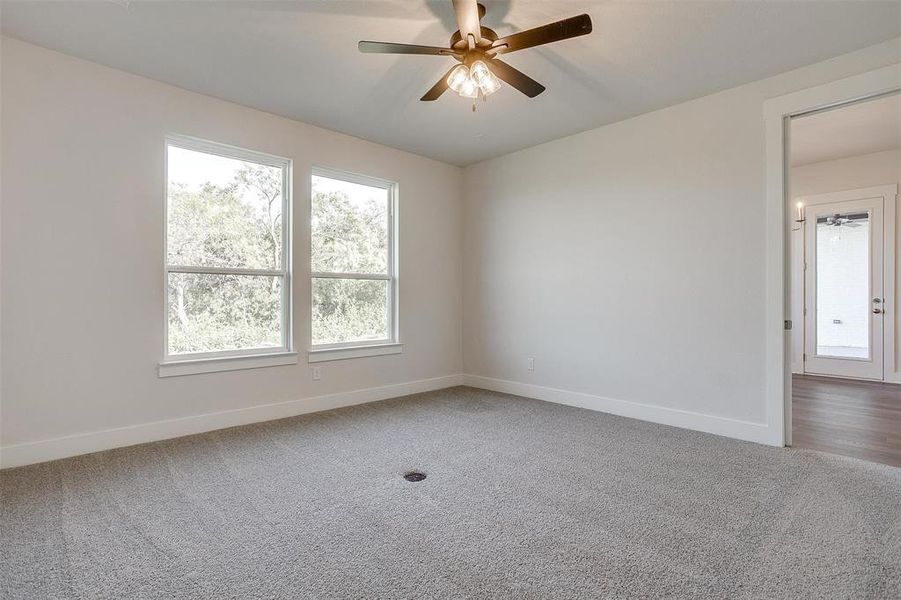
(73, 445)
(893, 378)
(733, 428)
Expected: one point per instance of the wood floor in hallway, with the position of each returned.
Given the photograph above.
(853, 418)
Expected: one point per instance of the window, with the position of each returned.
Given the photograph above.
(227, 252)
(354, 281)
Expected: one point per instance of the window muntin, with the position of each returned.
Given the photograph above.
(227, 251)
(354, 285)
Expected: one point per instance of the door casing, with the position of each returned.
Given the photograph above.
(780, 218)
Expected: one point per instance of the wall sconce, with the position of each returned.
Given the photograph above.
(800, 219)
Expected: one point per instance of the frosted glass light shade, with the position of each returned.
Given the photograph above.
(458, 77)
(489, 85)
(469, 89)
(479, 72)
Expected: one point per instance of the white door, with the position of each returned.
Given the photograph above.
(844, 293)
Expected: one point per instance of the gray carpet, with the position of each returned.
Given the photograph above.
(523, 499)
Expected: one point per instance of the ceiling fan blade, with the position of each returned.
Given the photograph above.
(553, 32)
(439, 88)
(468, 19)
(390, 48)
(517, 79)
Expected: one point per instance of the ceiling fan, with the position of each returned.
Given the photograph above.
(843, 220)
(477, 47)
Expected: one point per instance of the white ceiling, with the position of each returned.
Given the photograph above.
(861, 128)
(299, 59)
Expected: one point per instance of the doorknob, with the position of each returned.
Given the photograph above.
(877, 311)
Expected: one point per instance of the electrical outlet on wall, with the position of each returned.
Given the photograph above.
(531, 363)
(317, 373)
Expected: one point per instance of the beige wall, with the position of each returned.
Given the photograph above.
(849, 173)
(853, 172)
(629, 260)
(82, 251)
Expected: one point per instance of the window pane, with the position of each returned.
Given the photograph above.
(349, 310)
(843, 286)
(209, 313)
(349, 225)
(223, 212)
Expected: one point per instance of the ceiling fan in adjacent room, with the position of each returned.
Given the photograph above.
(477, 47)
(838, 220)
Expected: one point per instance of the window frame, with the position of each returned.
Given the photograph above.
(357, 349)
(205, 361)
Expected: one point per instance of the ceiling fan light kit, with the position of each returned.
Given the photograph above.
(476, 48)
(473, 81)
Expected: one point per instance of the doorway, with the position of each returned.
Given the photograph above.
(843, 173)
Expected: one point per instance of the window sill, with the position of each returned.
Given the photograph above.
(327, 354)
(225, 363)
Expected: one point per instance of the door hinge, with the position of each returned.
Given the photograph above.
(804, 357)
(788, 325)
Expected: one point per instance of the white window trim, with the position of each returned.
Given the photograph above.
(360, 349)
(247, 358)
(226, 363)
